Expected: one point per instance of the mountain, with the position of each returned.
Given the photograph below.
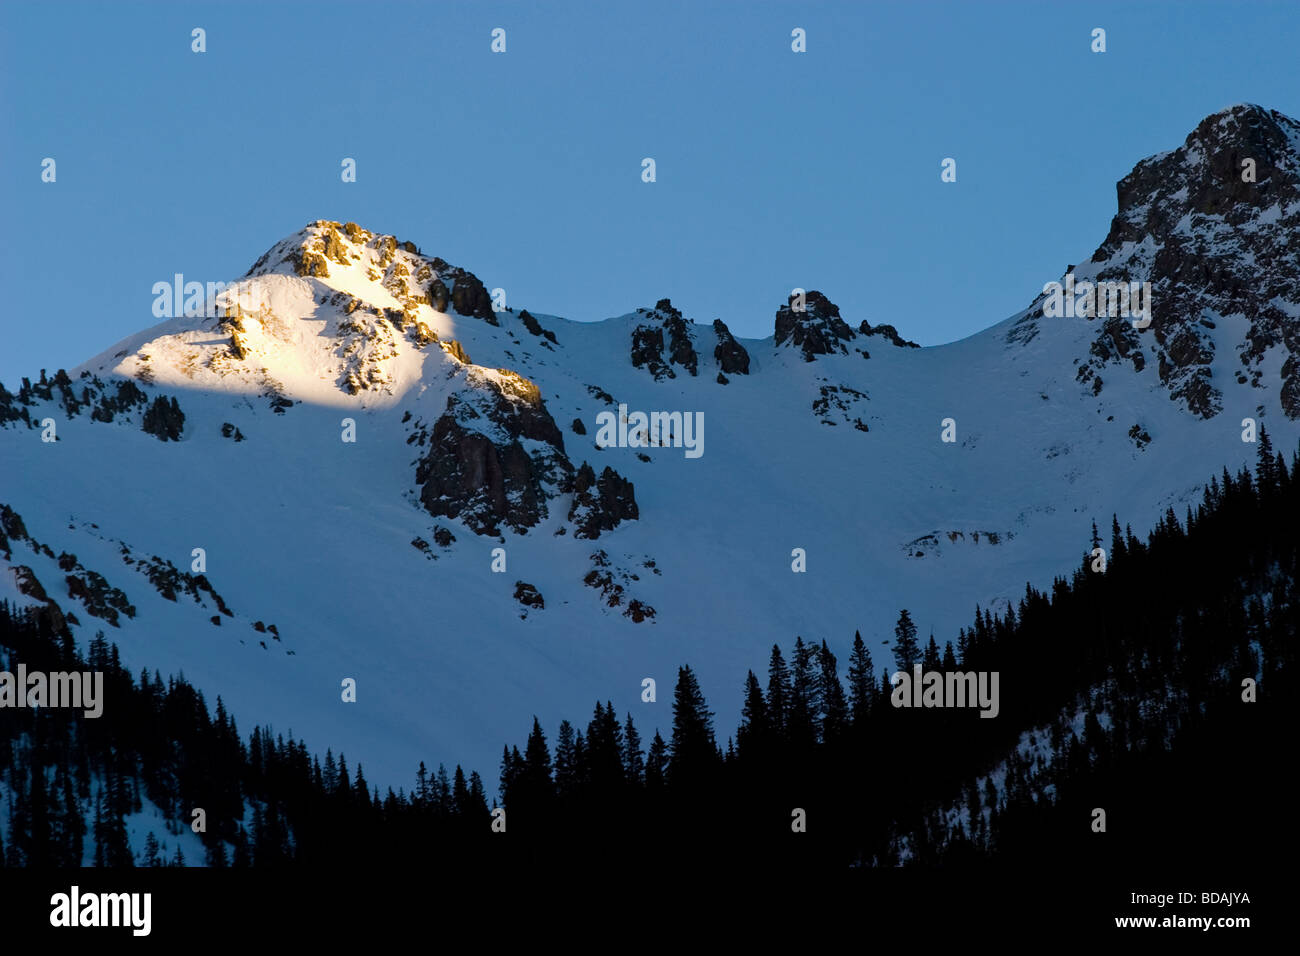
(478, 428)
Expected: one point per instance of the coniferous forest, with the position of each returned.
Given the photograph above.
(1123, 689)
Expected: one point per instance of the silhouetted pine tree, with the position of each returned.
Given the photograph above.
(778, 693)
(835, 708)
(693, 749)
(633, 758)
(566, 762)
(862, 684)
(754, 735)
(906, 650)
(656, 764)
(931, 661)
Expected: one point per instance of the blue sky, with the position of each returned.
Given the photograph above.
(774, 169)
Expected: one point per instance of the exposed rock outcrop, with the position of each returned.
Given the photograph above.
(729, 354)
(534, 327)
(600, 503)
(527, 595)
(649, 345)
(477, 468)
(1208, 225)
(815, 329)
(889, 332)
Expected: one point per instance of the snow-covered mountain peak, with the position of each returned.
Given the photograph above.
(377, 270)
(350, 259)
(334, 314)
(1201, 240)
(1237, 164)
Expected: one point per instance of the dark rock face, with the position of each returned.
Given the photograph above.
(534, 327)
(681, 351)
(889, 332)
(477, 469)
(27, 583)
(1119, 339)
(467, 476)
(1212, 244)
(439, 297)
(1204, 176)
(648, 342)
(9, 412)
(468, 295)
(11, 526)
(647, 351)
(816, 330)
(600, 504)
(99, 599)
(729, 354)
(529, 596)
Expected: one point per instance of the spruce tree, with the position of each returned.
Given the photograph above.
(656, 764)
(778, 692)
(343, 788)
(604, 752)
(441, 794)
(906, 650)
(361, 788)
(862, 682)
(835, 708)
(566, 761)
(421, 796)
(512, 767)
(460, 793)
(754, 732)
(804, 704)
(932, 661)
(534, 788)
(330, 773)
(633, 758)
(478, 804)
(151, 857)
(693, 748)
(1265, 464)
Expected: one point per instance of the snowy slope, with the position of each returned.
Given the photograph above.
(315, 535)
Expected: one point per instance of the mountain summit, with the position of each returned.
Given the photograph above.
(1209, 226)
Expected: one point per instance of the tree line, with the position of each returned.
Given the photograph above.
(1122, 690)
